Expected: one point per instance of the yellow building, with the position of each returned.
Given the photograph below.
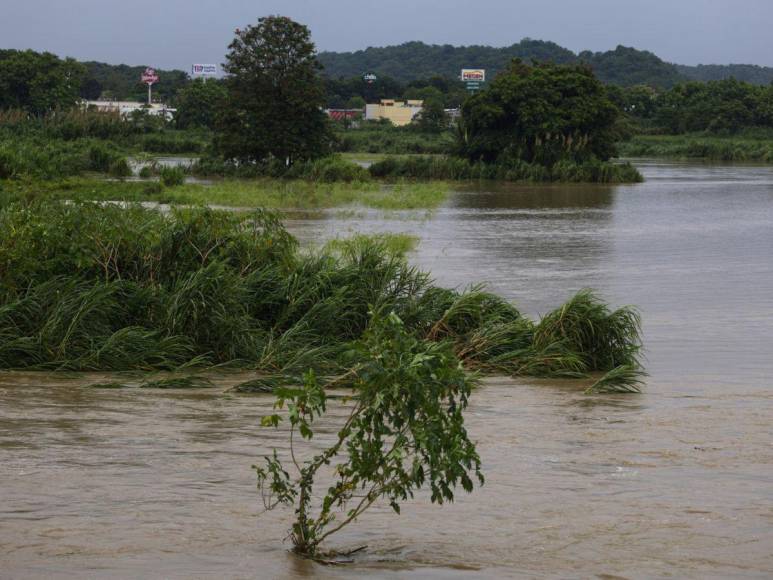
(399, 112)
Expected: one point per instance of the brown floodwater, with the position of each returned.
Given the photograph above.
(677, 481)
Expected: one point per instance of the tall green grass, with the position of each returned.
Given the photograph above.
(744, 147)
(373, 138)
(85, 286)
(264, 192)
(422, 167)
(333, 168)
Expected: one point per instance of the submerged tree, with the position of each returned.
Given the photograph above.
(405, 428)
(540, 114)
(275, 95)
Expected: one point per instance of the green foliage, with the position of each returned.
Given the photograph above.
(433, 118)
(328, 169)
(405, 430)
(372, 137)
(172, 176)
(626, 66)
(87, 286)
(396, 244)
(622, 379)
(416, 60)
(726, 106)
(49, 159)
(174, 142)
(418, 167)
(38, 82)
(199, 102)
(275, 96)
(749, 145)
(268, 193)
(585, 325)
(69, 125)
(623, 66)
(122, 82)
(748, 73)
(539, 114)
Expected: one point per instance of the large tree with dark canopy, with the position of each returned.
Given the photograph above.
(540, 114)
(275, 95)
(38, 82)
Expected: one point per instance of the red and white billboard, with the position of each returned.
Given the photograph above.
(474, 75)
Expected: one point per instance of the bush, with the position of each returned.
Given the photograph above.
(172, 176)
(119, 168)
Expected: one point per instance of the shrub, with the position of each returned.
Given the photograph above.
(172, 176)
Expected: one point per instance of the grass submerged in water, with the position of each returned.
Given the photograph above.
(87, 286)
(264, 192)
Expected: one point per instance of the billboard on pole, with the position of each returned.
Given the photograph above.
(149, 76)
(204, 70)
(474, 75)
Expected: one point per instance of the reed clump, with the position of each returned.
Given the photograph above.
(88, 286)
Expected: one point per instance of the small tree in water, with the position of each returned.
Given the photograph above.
(405, 429)
(275, 95)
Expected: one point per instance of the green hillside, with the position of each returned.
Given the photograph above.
(624, 66)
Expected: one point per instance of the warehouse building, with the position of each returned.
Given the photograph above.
(399, 112)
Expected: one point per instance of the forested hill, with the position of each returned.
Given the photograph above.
(623, 66)
(416, 60)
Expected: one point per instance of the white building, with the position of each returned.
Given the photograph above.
(128, 107)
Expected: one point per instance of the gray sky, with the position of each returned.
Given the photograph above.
(176, 33)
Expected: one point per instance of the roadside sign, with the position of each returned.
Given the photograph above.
(204, 70)
(474, 75)
(473, 78)
(149, 77)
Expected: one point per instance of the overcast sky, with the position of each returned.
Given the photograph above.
(176, 33)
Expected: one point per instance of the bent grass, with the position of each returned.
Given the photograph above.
(265, 193)
(100, 287)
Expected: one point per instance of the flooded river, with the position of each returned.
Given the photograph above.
(675, 482)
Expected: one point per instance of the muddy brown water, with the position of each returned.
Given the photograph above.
(675, 482)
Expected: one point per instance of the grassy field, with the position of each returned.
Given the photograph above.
(745, 147)
(267, 193)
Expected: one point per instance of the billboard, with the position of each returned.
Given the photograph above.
(474, 75)
(204, 70)
(149, 76)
